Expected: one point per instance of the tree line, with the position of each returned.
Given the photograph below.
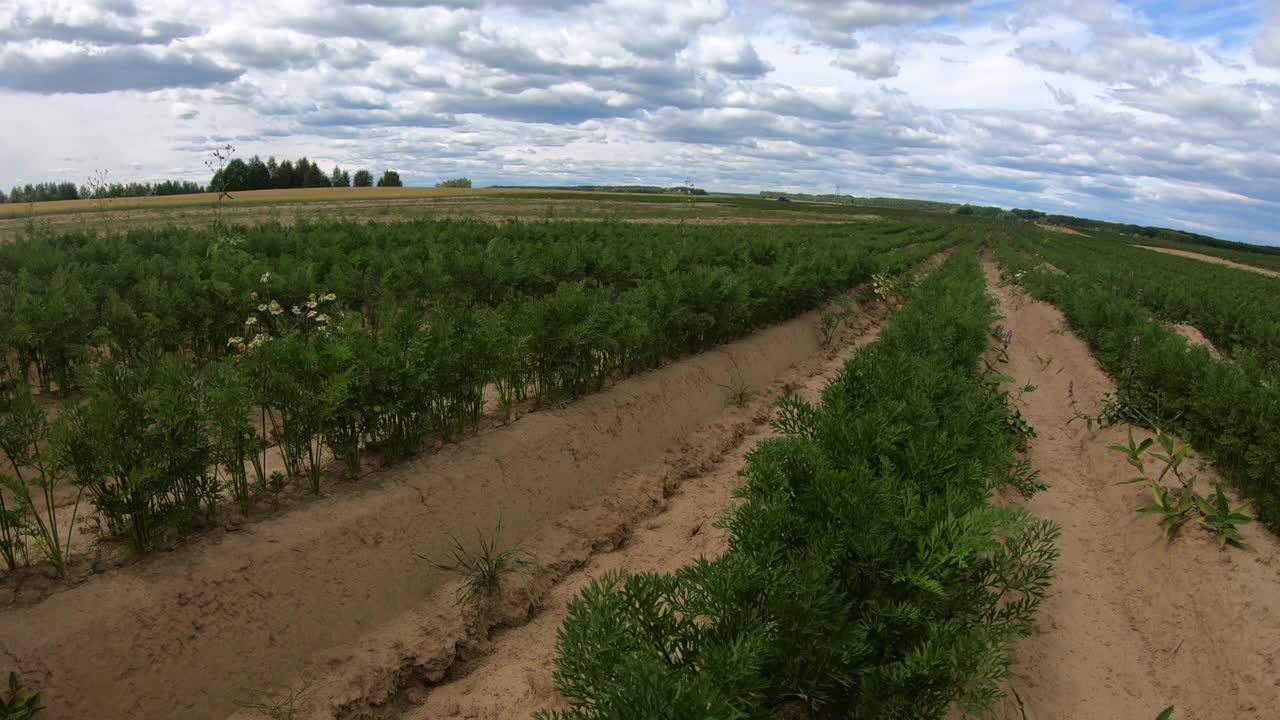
(255, 174)
(46, 191)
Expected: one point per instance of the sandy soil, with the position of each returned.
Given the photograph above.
(1132, 624)
(1196, 338)
(189, 633)
(1211, 259)
(1061, 229)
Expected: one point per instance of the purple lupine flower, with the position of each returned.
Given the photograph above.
(1137, 341)
(1008, 338)
(1071, 389)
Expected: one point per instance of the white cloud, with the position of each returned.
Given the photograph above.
(1266, 46)
(184, 111)
(870, 60)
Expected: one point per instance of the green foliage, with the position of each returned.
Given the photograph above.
(831, 319)
(1228, 410)
(482, 570)
(460, 182)
(867, 575)
(1172, 513)
(340, 338)
(19, 703)
(1217, 515)
(25, 434)
(1216, 512)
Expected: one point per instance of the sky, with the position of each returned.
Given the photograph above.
(1156, 112)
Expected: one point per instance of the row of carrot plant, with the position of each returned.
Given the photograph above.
(868, 575)
(1228, 410)
(62, 297)
(1235, 309)
(160, 433)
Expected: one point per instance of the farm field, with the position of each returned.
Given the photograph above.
(504, 454)
(386, 204)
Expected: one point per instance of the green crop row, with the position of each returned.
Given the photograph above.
(159, 434)
(1236, 310)
(1227, 410)
(867, 575)
(64, 298)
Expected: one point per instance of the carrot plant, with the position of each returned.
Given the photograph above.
(184, 341)
(24, 430)
(1229, 410)
(867, 573)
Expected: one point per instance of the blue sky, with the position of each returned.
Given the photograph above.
(1164, 113)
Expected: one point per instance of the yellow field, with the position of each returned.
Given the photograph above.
(12, 210)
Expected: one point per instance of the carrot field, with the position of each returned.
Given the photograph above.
(629, 458)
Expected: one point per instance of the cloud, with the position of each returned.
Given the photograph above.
(1114, 59)
(85, 70)
(1266, 46)
(871, 61)
(113, 24)
(184, 111)
(834, 21)
(1127, 110)
(1191, 99)
(732, 56)
(1060, 96)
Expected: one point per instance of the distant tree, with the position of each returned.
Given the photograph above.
(259, 176)
(455, 183)
(311, 174)
(363, 178)
(390, 178)
(339, 177)
(284, 176)
(236, 175)
(3, 198)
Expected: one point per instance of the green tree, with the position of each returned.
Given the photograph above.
(340, 177)
(363, 178)
(455, 183)
(258, 176)
(284, 176)
(390, 178)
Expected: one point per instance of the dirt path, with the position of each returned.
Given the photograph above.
(189, 633)
(1212, 259)
(1132, 623)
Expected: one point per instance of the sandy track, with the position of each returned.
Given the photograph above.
(1211, 259)
(189, 633)
(1131, 624)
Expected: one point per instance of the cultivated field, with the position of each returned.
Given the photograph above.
(492, 454)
